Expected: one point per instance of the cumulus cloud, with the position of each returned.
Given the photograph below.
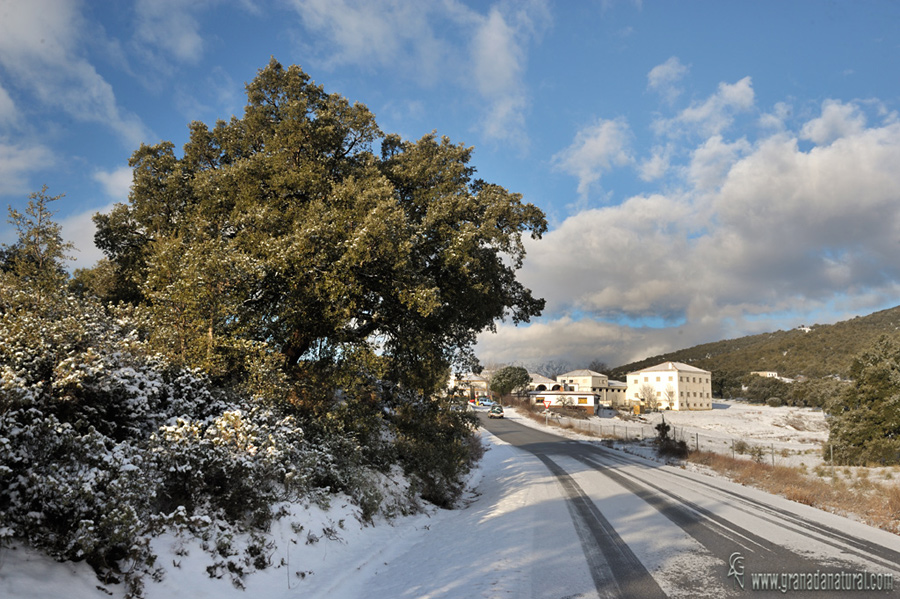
(656, 166)
(116, 183)
(664, 78)
(712, 160)
(837, 120)
(762, 230)
(597, 149)
(79, 230)
(713, 115)
(41, 49)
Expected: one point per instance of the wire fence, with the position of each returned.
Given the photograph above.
(636, 431)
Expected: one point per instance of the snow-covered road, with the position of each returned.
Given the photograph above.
(688, 530)
(549, 518)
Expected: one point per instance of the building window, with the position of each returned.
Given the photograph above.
(646, 379)
(657, 379)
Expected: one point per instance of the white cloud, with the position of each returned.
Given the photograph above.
(8, 112)
(598, 148)
(18, 160)
(656, 166)
(715, 114)
(663, 78)
(837, 120)
(170, 25)
(117, 183)
(776, 119)
(762, 231)
(401, 35)
(376, 34)
(711, 161)
(40, 47)
(79, 229)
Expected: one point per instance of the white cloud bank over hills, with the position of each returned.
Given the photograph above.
(744, 237)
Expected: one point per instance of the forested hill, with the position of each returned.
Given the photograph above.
(816, 351)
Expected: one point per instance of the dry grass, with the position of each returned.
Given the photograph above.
(873, 502)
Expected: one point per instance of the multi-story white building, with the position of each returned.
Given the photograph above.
(671, 386)
(583, 380)
(609, 393)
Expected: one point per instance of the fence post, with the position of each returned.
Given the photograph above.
(831, 447)
(773, 455)
(697, 441)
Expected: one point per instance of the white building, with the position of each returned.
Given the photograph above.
(469, 386)
(671, 386)
(541, 383)
(583, 400)
(583, 380)
(609, 393)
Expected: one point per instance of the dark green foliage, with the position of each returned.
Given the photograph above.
(509, 379)
(666, 446)
(37, 258)
(284, 227)
(865, 418)
(760, 389)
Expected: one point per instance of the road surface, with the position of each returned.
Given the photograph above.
(650, 530)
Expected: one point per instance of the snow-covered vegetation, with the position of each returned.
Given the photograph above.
(277, 313)
(104, 445)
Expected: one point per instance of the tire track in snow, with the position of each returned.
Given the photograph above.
(616, 570)
(873, 553)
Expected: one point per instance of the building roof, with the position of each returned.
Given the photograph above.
(670, 367)
(582, 372)
(537, 379)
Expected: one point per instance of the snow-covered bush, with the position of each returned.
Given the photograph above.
(104, 443)
(101, 443)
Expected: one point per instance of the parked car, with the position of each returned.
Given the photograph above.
(496, 411)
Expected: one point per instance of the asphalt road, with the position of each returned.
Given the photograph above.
(651, 530)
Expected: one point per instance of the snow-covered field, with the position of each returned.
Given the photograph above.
(795, 434)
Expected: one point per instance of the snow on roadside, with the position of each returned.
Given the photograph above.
(505, 540)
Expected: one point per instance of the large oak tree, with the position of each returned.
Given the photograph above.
(302, 226)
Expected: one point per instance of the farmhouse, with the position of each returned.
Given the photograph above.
(671, 386)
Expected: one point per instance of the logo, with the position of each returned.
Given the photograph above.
(736, 569)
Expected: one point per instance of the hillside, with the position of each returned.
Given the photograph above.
(816, 351)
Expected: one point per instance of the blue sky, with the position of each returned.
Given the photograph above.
(708, 169)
